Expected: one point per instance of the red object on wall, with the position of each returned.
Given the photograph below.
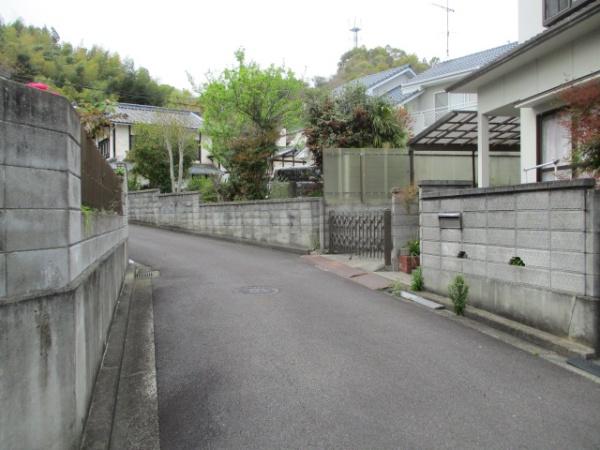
(40, 86)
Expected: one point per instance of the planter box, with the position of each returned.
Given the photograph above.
(409, 263)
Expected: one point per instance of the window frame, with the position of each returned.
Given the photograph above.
(573, 5)
(539, 144)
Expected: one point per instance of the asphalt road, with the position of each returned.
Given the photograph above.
(326, 363)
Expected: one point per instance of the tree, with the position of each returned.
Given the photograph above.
(84, 76)
(154, 161)
(244, 110)
(582, 117)
(353, 119)
(361, 61)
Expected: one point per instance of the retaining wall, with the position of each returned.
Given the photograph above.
(294, 224)
(60, 273)
(553, 227)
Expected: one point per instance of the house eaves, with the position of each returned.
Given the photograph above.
(581, 22)
(371, 89)
(403, 99)
(436, 80)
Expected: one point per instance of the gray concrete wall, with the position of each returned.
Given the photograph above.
(291, 223)
(554, 227)
(405, 223)
(60, 273)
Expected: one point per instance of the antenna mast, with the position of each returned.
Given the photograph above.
(448, 11)
(355, 29)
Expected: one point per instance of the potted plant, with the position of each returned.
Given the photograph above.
(409, 256)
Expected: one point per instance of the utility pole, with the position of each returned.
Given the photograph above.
(448, 11)
(355, 29)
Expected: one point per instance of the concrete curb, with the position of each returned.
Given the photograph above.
(98, 426)
(124, 408)
(135, 423)
(537, 337)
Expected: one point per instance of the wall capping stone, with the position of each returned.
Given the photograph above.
(585, 183)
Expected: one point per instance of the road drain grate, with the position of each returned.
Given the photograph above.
(259, 290)
(147, 274)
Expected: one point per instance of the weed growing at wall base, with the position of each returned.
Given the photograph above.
(458, 292)
(418, 282)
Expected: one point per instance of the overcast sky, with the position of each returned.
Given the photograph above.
(174, 36)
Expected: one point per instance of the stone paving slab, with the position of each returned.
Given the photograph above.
(335, 267)
(372, 281)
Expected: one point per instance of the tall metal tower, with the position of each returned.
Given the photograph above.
(448, 11)
(355, 29)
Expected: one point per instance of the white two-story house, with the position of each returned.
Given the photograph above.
(434, 112)
(559, 47)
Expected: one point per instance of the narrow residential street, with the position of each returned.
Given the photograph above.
(257, 349)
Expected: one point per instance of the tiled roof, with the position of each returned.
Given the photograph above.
(371, 80)
(397, 97)
(462, 64)
(128, 113)
(570, 21)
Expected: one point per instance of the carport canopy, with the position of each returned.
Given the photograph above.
(457, 131)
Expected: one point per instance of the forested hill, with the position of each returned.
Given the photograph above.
(29, 53)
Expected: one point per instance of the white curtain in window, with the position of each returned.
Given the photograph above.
(556, 142)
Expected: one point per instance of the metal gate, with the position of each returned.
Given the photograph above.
(362, 233)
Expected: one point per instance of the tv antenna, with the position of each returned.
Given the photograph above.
(448, 11)
(355, 29)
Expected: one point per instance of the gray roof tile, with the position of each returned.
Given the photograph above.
(397, 97)
(463, 64)
(375, 78)
(128, 113)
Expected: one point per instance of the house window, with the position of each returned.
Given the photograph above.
(555, 144)
(104, 147)
(440, 100)
(555, 10)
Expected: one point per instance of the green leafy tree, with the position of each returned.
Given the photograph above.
(353, 119)
(152, 159)
(85, 76)
(244, 110)
(362, 61)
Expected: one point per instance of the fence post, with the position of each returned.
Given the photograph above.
(387, 236)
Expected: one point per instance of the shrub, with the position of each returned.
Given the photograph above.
(417, 282)
(397, 288)
(516, 261)
(458, 291)
(133, 183)
(208, 190)
(414, 247)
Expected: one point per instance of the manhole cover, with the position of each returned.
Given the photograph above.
(259, 290)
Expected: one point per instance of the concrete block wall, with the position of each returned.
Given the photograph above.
(405, 222)
(60, 273)
(553, 227)
(289, 223)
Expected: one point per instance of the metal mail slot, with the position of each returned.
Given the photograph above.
(450, 220)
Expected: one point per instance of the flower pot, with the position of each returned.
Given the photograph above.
(409, 263)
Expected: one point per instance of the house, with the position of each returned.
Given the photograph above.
(387, 83)
(559, 46)
(425, 95)
(291, 151)
(529, 251)
(118, 139)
